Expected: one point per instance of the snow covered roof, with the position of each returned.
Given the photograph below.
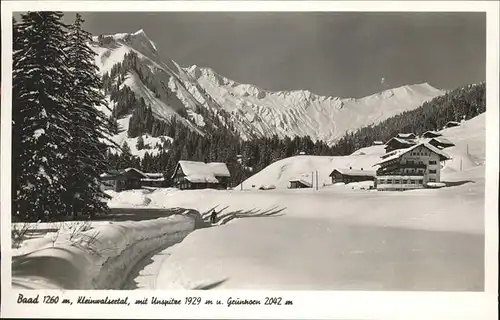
(107, 175)
(153, 179)
(378, 142)
(219, 169)
(431, 133)
(201, 172)
(354, 172)
(115, 173)
(136, 171)
(442, 140)
(304, 182)
(453, 123)
(406, 135)
(398, 153)
(402, 141)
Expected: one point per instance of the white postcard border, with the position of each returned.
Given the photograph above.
(307, 304)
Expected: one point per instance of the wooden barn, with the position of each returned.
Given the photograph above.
(201, 175)
(299, 183)
(350, 175)
(120, 180)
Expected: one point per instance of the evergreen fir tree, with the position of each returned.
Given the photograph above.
(140, 143)
(41, 117)
(90, 127)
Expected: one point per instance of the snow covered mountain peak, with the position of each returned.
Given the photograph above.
(141, 37)
(138, 41)
(179, 92)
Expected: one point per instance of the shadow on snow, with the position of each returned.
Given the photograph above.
(225, 217)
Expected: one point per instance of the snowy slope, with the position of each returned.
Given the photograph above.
(252, 110)
(470, 144)
(163, 75)
(280, 172)
(471, 133)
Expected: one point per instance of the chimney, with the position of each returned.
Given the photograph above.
(361, 169)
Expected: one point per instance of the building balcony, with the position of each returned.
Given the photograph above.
(399, 173)
(404, 166)
(413, 165)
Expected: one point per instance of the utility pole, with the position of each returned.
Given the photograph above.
(317, 180)
(241, 160)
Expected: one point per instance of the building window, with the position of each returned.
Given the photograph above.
(432, 171)
(409, 161)
(432, 180)
(420, 181)
(397, 181)
(412, 181)
(432, 162)
(381, 181)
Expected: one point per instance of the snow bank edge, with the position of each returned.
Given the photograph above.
(104, 263)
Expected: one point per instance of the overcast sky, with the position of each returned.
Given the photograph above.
(338, 54)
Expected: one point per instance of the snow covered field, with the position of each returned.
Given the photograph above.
(336, 238)
(419, 240)
(339, 237)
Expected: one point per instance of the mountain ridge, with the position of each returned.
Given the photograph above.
(176, 92)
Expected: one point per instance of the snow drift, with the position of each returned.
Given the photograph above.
(99, 258)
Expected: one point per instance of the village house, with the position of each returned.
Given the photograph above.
(398, 143)
(351, 175)
(299, 183)
(120, 180)
(431, 134)
(411, 168)
(201, 175)
(441, 142)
